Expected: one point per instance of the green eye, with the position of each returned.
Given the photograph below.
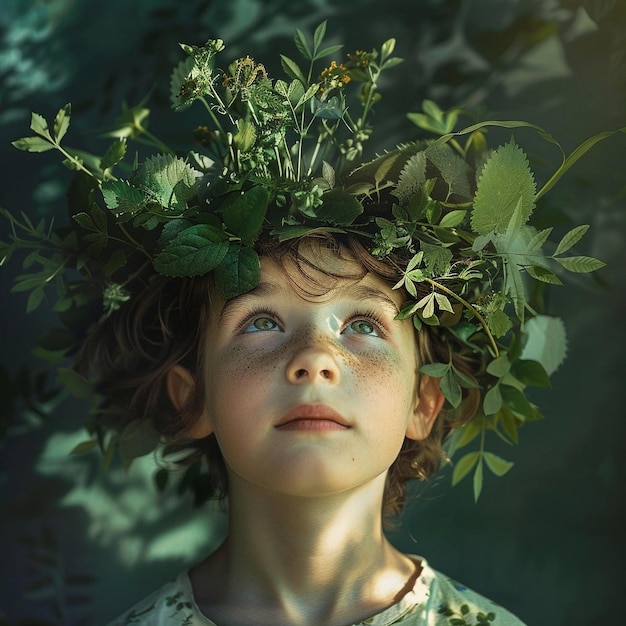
(261, 323)
(363, 327)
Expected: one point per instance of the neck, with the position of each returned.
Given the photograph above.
(309, 560)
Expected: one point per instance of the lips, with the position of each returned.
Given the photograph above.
(313, 417)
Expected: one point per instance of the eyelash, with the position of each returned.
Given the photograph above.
(255, 314)
(369, 316)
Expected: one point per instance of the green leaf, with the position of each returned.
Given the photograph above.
(193, 252)
(544, 275)
(78, 386)
(453, 169)
(138, 439)
(492, 401)
(35, 298)
(33, 144)
(580, 264)
(437, 258)
(531, 373)
(122, 198)
(496, 464)
(478, 481)
(451, 389)
(505, 181)
(114, 154)
(62, 122)
(538, 240)
(453, 218)
(39, 125)
(244, 212)
(339, 208)
(318, 36)
(571, 238)
(464, 466)
(168, 179)
(499, 367)
(516, 401)
(327, 51)
(238, 272)
(545, 342)
(84, 446)
(291, 68)
(436, 370)
(302, 44)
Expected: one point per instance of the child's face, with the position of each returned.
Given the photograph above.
(311, 396)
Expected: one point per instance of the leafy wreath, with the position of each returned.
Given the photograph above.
(278, 157)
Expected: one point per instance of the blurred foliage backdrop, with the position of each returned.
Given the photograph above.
(78, 546)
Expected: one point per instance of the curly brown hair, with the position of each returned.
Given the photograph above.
(131, 352)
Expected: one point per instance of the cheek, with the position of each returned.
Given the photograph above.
(386, 378)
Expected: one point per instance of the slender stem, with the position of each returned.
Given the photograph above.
(468, 306)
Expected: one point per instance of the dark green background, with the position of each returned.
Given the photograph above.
(78, 546)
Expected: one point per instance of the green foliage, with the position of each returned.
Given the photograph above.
(276, 158)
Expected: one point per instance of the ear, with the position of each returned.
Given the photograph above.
(428, 404)
(180, 388)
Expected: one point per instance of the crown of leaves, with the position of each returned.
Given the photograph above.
(276, 159)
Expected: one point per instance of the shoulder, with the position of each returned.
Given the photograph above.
(171, 605)
(439, 600)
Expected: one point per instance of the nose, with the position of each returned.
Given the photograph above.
(313, 362)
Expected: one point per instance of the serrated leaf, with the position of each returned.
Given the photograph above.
(505, 180)
(62, 122)
(168, 179)
(32, 144)
(437, 258)
(412, 177)
(238, 272)
(499, 323)
(545, 342)
(497, 464)
(464, 466)
(122, 198)
(114, 154)
(454, 171)
(580, 264)
(193, 252)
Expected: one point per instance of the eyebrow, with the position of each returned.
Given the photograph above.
(231, 307)
(360, 293)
